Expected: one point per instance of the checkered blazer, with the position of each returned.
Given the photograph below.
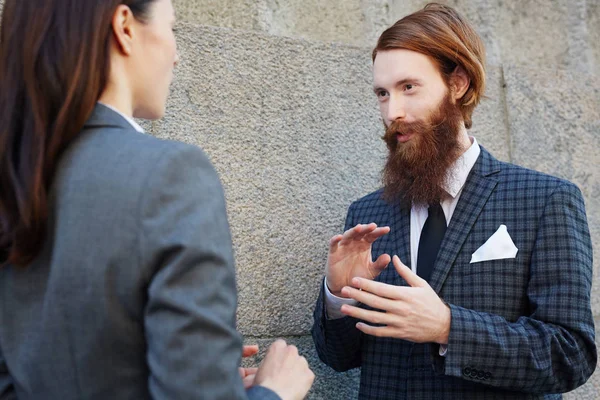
(521, 328)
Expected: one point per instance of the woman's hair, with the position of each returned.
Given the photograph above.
(441, 33)
(54, 65)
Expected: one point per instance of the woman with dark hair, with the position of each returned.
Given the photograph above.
(116, 270)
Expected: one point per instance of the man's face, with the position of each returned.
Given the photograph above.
(422, 125)
(408, 86)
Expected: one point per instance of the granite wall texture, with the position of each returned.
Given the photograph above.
(301, 127)
(278, 93)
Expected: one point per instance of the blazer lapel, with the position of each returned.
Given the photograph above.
(479, 186)
(400, 232)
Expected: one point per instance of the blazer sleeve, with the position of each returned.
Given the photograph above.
(193, 348)
(7, 390)
(261, 393)
(551, 350)
(337, 341)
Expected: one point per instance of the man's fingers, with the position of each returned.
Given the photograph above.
(359, 231)
(335, 240)
(381, 263)
(249, 350)
(377, 233)
(369, 299)
(410, 277)
(369, 232)
(374, 317)
(379, 331)
(379, 289)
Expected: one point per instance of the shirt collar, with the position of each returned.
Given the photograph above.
(459, 171)
(131, 121)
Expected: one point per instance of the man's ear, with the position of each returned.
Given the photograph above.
(459, 82)
(123, 28)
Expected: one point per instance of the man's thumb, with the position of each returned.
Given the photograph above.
(410, 277)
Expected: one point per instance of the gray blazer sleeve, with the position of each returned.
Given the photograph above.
(7, 390)
(193, 348)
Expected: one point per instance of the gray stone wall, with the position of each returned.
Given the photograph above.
(278, 93)
(555, 33)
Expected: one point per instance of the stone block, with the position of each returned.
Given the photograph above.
(355, 22)
(593, 26)
(237, 14)
(489, 118)
(554, 124)
(540, 33)
(562, 33)
(350, 21)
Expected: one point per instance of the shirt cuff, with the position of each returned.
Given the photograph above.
(443, 350)
(333, 303)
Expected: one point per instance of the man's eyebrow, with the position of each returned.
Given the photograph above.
(401, 82)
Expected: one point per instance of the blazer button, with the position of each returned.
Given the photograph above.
(480, 374)
(487, 376)
(467, 371)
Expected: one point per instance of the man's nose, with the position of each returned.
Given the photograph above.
(396, 108)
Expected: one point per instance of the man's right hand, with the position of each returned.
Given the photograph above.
(350, 256)
(285, 372)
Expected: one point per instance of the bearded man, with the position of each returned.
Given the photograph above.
(494, 299)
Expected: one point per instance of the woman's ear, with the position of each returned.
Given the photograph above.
(123, 28)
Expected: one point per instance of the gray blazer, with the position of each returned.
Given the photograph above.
(133, 295)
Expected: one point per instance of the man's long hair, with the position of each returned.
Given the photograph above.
(439, 32)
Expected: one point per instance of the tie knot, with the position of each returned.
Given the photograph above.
(435, 210)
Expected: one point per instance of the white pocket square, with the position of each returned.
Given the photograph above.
(497, 247)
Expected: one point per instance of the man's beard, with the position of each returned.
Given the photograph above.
(416, 170)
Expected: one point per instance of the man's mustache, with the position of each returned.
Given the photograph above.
(399, 127)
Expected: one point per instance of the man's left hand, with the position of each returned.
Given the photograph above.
(415, 313)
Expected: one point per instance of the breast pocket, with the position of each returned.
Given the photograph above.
(494, 286)
(504, 266)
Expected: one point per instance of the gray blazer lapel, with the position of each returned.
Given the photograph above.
(478, 188)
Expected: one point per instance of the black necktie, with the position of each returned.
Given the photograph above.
(430, 241)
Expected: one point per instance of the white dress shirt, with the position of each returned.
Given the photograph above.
(134, 124)
(459, 171)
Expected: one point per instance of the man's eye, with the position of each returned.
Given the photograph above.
(382, 93)
(409, 87)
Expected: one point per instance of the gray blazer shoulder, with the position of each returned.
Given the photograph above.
(139, 272)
